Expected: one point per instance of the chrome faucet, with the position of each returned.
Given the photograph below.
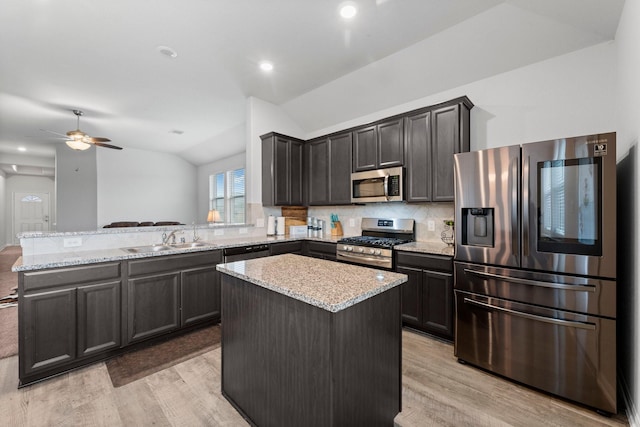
(171, 236)
(195, 236)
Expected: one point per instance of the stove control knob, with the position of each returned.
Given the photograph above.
(350, 248)
(360, 250)
(378, 252)
(372, 251)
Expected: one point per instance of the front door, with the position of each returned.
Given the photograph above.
(31, 213)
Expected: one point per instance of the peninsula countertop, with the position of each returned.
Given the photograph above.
(314, 281)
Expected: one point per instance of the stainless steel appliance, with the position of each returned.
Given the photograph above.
(380, 185)
(535, 265)
(375, 246)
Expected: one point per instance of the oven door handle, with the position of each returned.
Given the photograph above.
(560, 322)
(386, 186)
(563, 286)
(362, 258)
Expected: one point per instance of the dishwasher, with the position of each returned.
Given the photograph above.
(245, 252)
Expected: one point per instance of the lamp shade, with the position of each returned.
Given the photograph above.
(213, 216)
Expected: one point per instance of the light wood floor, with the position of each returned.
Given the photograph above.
(437, 391)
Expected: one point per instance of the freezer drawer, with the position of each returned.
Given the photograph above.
(567, 354)
(560, 291)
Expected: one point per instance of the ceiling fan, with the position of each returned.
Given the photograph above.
(79, 140)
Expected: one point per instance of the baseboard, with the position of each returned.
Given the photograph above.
(630, 406)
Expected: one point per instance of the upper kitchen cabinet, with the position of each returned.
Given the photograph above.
(378, 146)
(281, 170)
(433, 136)
(329, 170)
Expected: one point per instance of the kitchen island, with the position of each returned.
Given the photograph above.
(311, 342)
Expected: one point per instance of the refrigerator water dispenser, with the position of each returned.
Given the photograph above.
(477, 227)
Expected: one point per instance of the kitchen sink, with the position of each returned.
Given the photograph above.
(160, 248)
(149, 248)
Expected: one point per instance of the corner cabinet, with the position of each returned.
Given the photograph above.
(379, 146)
(282, 183)
(432, 136)
(329, 170)
(171, 292)
(427, 296)
(67, 316)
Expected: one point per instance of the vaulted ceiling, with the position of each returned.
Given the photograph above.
(109, 59)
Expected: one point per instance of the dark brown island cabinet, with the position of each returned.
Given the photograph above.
(427, 296)
(289, 358)
(73, 316)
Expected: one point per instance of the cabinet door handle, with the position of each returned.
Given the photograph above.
(561, 322)
(563, 286)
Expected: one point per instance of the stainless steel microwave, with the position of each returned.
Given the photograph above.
(380, 185)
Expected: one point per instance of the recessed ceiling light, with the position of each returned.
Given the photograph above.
(22, 149)
(266, 66)
(167, 51)
(15, 168)
(348, 10)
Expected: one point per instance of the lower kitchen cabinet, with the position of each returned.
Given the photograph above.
(153, 305)
(200, 295)
(322, 250)
(286, 248)
(427, 296)
(66, 316)
(98, 318)
(171, 292)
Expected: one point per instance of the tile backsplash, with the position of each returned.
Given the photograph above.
(351, 216)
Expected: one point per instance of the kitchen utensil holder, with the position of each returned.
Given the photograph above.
(336, 230)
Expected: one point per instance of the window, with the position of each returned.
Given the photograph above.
(227, 195)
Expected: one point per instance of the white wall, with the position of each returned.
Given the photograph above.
(222, 165)
(628, 128)
(568, 95)
(25, 183)
(139, 185)
(3, 210)
(75, 189)
(263, 117)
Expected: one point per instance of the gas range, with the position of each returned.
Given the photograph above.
(375, 246)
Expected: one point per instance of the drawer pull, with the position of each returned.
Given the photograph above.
(560, 322)
(563, 286)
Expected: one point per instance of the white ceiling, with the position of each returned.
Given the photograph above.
(101, 57)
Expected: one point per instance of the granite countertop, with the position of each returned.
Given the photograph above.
(65, 259)
(433, 248)
(314, 281)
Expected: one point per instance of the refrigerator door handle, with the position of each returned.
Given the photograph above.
(562, 286)
(525, 207)
(514, 208)
(568, 323)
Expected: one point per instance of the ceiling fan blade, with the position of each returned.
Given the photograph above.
(98, 139)
(55, 133)
(102, 144)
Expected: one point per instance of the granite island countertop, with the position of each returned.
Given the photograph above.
(314, 281)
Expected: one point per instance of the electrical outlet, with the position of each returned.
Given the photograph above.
(242, 231)
(260, 222)
(352, 222)
(431, 225)
(72, 242)
(218, 232)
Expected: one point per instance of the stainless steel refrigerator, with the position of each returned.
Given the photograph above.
(535, 265)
